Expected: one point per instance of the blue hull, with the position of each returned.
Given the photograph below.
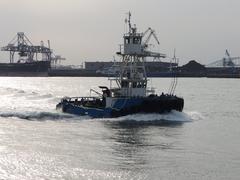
(84, 111)
(123, 106)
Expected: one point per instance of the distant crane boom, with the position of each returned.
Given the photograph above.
(152, 33)
(226, 61)
(155, 36)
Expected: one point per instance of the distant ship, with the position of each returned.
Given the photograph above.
(32, 60)
(113, 70)
(35, 68)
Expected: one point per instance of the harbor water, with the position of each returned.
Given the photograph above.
(38, 142)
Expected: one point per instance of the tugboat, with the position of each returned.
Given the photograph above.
(130, 94)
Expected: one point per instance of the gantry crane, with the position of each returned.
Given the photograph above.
(28, 52)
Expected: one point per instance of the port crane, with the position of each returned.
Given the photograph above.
(226, 61)
(55, 59)
(28, 52)
(152, 33)
(149, 33)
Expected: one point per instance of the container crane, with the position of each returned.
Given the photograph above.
(55, 59)
(26, 50)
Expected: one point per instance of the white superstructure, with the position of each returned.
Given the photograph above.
(133, 80)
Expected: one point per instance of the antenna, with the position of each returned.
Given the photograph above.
(49, 44)
(129, 21)
(125, 25)
(173, 85)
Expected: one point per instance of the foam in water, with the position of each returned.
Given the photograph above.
(194, 115)
(173, 116)
(34, 115)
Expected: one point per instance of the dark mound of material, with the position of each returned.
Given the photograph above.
(193, 66)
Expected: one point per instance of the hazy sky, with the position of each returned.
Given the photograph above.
(87, 30)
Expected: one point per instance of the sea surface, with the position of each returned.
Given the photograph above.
(38, 142)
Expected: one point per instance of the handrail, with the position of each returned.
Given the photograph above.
(77, 98)
(92, 90)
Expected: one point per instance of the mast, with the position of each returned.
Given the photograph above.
(129, 22)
